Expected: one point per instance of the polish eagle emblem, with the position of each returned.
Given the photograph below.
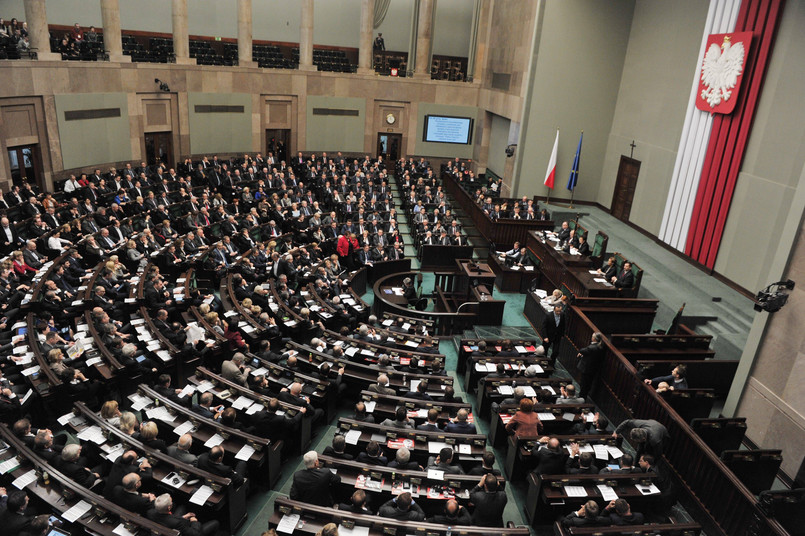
(722, 69)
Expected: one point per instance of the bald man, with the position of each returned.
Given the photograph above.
(551, 457)
(128, 496)
(293, 395)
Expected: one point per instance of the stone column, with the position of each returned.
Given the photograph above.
(37, 19)
(245, 34)
(424, 38)
(112, 38)
(306, 37)
(366, 50)
(181, 37)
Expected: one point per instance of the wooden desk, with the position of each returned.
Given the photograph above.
(315, 517)
(546, 497)
(511, 279)
(468, 273)
(565, 417)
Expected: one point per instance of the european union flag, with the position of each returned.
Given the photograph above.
(574, 172)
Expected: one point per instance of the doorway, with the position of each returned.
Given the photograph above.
(388, 146)
(277, 140)
(25, 166)
(625, 185)
(159, 149)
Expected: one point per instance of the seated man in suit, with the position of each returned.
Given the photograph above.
(373, 455)
(73, 469)
(234, 369)
(181, 450)
(442, 462)
(620, 513)
(185, 522)
(625, 279)
(313, 484)
(487, 467)
(402, 460)
(293, 395)
(15, 517)
(356, 504)
(550, 456)
(382, 386)
(213, 462)
(400, 419)
(336, 450)
(625, 465)
(129, 497)
(460, 425)
(432, 424)
(586, 516)
(204, 407)
(402, 508)
(489, 501)
(580, 464)
(454, 514)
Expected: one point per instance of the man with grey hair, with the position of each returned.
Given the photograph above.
(179, 519)
(128, 496)
(235, 371)
(314, 483)
(382, 386)
(72, 468)
(181, 450)
(402, 460)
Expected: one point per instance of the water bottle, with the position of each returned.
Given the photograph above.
(449, 531)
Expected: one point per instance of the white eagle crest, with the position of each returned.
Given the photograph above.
(720, 71)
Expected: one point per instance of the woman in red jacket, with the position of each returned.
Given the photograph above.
(345, 247)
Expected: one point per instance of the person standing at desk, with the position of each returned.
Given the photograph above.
(553, 329)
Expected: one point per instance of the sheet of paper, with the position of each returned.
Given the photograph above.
(464, 448)
(546, 416)
(615, 452)
(201, 495)
(245, 453)
(354, 531)
(30, 370)
(529, 391)
(260, 371)
(115, 452)
(435, 446)
(121, 530)
(414, 384)
(254, 408)
(91, 433)
(412, 344)
(370, 405)
(139, 402)
(541, 293)
(607, 493)
(601, 452)
(288, 523)
(94, 361)
(575, 491)
(506, 390)
(528, 268)
(435, 474)
(214, 441)
(188, 390)
(590, 417)
(204, 386)
(569, 416)
(9, 465)
(242, 402)
(352, 437)
(183, 428)
(76, 511)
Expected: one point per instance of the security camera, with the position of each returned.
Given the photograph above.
(510, 150)
(162, 85)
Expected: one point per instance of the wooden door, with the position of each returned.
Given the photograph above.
(388, 146)
(159, 149)
(26, 167)
(625, 185)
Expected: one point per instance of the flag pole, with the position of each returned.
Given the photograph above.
(575, 171)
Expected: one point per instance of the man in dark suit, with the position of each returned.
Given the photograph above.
(14, 519)
(489, 501)
(550, 457)
(9, 238)
(460, 425)
(129, 497)
(553, 328)
(646, 436)
(314, 483)
(73, 469)
(293, 395)
(564, 233)
(185, 522)
(589, 359)
(625, 279)
(124, 465)
(213, 462)
(586, 516)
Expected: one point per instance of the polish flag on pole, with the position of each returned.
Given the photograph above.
(551, 173)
